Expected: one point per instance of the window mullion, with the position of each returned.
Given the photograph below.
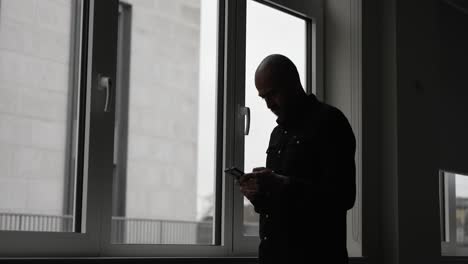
(101, 123)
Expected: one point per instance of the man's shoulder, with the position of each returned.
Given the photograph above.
(329, 113)
(333, 120)
(322, 110)
(276, 130)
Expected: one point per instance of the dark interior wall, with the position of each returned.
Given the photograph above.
(400, 94)
(389, 207)
(417, 141)
(372, 237)
(414, 122)
(380, 211)
(389, 137)
(453, 118)
(453, 103)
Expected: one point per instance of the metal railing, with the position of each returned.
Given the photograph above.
(123, 231)
(36, 222)
(153, 231)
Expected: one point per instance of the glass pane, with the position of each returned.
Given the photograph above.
(461, 211)
(454, 210)
(38, 74)
(269, 31)
(166, 123)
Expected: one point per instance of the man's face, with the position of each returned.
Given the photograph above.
(272, 96)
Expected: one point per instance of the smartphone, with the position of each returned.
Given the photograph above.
(234, 172)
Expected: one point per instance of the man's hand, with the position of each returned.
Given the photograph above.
(262, 180)
(248, 185)
(270, 182)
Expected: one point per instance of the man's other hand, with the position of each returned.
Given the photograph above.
(248, 185)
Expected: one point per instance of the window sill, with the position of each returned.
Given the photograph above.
(133, 260)
(453, 260)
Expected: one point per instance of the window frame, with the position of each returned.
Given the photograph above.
(121, 106)
(222, 225)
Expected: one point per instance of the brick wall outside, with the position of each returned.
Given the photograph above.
(34, 87)
(163, 103)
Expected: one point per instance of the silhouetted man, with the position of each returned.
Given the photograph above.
(308, 184)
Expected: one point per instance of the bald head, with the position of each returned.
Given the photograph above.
(279, 70)
(278, 83)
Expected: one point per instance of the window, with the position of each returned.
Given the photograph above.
(166, 123)
(51, 134)
(38, 80)
(118, 118)
(454, 213)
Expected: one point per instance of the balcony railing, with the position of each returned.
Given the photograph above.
(124, 230)
(36, 222)
(153, 231)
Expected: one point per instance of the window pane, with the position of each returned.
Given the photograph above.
(38, 75)
(461, 205)
(454, 213)
(166, 122)
(269, 31)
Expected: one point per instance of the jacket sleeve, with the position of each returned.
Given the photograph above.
(261, 203)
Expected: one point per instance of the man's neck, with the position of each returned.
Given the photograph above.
(295, 111)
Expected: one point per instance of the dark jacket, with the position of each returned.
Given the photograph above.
(315, 148)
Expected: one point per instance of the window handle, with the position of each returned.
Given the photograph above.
(105, 83)
(246, 112)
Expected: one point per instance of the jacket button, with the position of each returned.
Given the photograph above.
(285, 132)
(267, 216)
(279, 151)
(297, 142)
(264, 238)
